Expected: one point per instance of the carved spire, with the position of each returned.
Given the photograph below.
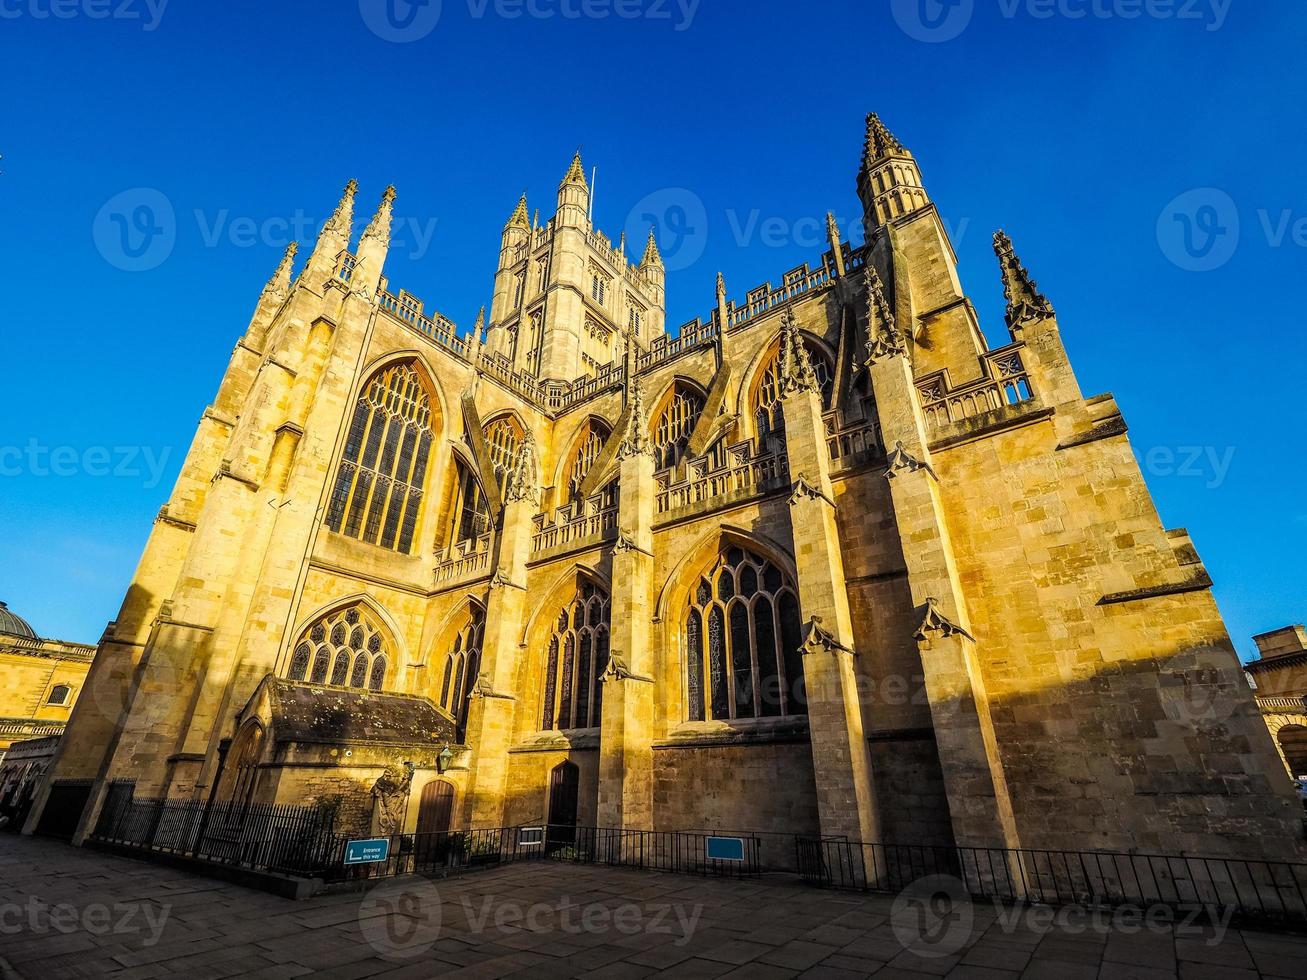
(379, 227)
(721, 288)
(880, 143)
(278, 286)
(342, 220)
(1024, 300)
(576, 172)
(797, 373)
(524, 480)
(479, 327)
(519, 218)
(652, 257)
(635, 441)
(884, 339)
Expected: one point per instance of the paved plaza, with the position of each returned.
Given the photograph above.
(76, 913)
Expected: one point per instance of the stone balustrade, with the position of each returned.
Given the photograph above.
(705, 483)
(579, 524)
(466, 559)
(1004, 383)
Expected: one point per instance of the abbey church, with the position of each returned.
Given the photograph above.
(820, 561)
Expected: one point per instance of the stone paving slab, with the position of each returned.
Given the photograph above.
(67, 912)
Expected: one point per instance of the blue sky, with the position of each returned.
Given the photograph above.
(1082, 127)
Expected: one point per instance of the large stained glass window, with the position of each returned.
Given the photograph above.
(345, 648)
(742, 639)
(575, 660)
(675, 424)
(462, 667)
(378, 490)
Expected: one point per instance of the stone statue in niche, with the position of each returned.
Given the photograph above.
(390, 799)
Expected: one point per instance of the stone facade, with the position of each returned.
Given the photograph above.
(823, 561)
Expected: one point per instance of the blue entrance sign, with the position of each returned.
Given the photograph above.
(367, 851)
(725, 848)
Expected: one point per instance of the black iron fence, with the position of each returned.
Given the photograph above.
(261, 836)
(443, 853)
(1102, 879)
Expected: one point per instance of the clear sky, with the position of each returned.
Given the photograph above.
(1082, 127)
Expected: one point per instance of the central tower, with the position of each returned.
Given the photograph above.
(567, 301)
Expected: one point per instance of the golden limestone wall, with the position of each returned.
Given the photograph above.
(998, 642)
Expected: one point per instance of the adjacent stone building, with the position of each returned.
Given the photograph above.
(40, 680)
(1280, 678)
(821, 561)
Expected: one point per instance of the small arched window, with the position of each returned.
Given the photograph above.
(60, 695)
(742, 639)
(586, 455)
(378, 488)
(345, 648)
(767, 414)
(671, 431)
(575, 662)
(462, 667)
(504, 436)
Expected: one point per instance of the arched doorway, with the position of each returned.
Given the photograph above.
(564, 790)
(435, 807)
(1293, 743)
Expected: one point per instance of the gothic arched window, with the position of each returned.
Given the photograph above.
(767, 414)
(471, 514)
(378, 488)
(671, 434)
(742, 638)
(345, 648)
(462, 666)
(575, 662)
(504, 437)
(586, 454)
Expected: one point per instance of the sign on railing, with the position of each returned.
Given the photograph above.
(372, 851)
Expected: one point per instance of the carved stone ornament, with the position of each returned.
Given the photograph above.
(818, 640)
(524, 480)
(797, 373)
(935, 621)
(635, 441)
(390, 799)
(899, 460)
(884, 339)
(500, 580)
(804, 489)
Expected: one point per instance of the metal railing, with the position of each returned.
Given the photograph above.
(1251, 888)
(677, 852)
(261, 836)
